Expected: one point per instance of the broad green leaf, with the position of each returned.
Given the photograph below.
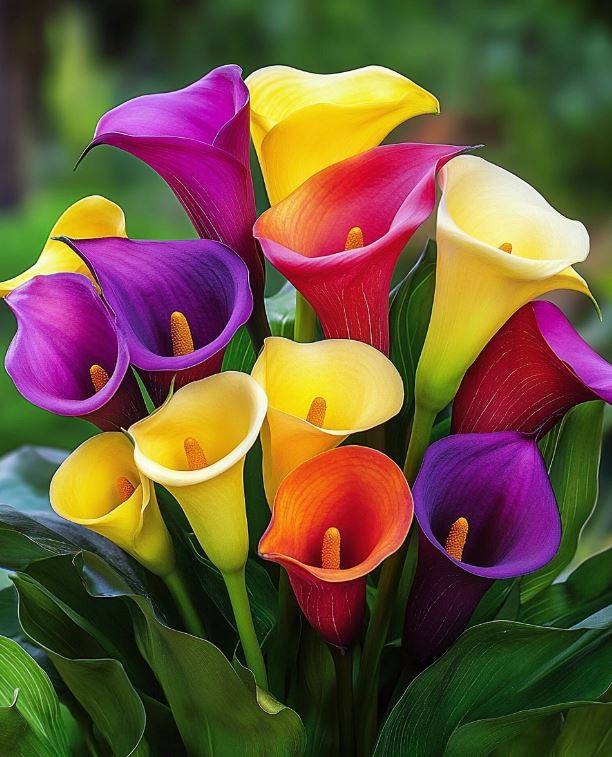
(536, 739)
(574, 476)
(501, 602)
(587, 731)
(25, 475)
(499, 670)
(239, 355)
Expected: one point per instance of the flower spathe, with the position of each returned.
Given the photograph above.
(535, 369)
(98, 486)
(303, 122)
(148, 283)
(486, 511)
(335, 519)
(68, 355)
(318, 394)
(92, 216)
(366, 209)
(195, 445)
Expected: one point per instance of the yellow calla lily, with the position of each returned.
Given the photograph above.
(98, 486)
(303, 122)
(319, 393)
(88, 218)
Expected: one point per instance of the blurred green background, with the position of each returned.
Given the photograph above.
(531, 81)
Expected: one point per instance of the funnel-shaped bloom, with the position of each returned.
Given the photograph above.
(98, 486)
(197, 140)
(486, 511)
(500, 245)
(319, 393)
(535, 369)
(92, 216)
(335, 519)
(337, 238)
(68, 356)
(303, 122)
(179, 303)
(195, 446)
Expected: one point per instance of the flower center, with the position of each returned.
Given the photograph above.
(196, 459)
(506, 247)
(180, 334)
(457, 536)
(316, 412)
(99, 377)
(354, 239)
(125, 488)
(330, 549)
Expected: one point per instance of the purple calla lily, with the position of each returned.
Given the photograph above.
(68, 356)
(487, 500)
(147, 283)
(197, 140)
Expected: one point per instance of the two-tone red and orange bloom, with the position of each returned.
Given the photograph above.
(337, 517)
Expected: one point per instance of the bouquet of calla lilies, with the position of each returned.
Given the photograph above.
(337, 520)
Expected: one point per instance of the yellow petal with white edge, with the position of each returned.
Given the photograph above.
(478, 285)
(89, 218)
(360, 386)
(303, 122)
(84, 491)
(223, 413)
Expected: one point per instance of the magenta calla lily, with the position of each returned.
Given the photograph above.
(63, 331)
(145, 283)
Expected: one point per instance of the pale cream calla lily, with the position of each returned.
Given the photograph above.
(353, 386)
(89, 489)
(303, 122)
(88, 218)
(222, 414)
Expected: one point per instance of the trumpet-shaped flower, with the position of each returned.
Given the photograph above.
(303, 122)
(335, 519)
(98, 486)
(319, 393)
(337, 238)
(68, 356)
(179, 303)
(535, 369)
(92, 216)
(486, 511)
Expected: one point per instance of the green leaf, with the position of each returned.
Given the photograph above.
(25, 475)
(281, 311)
(536, 739)
(31, 720)
(496, 671)
(574, 476)
(501, 602)
(587, 731)
(239, 355)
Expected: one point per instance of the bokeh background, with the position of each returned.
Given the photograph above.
(531, 81)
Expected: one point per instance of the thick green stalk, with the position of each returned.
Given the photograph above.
(283, 638)
(343, 663)
(419, 440)
(176, 586)
(304, 329)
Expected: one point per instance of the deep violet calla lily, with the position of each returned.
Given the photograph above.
(197, 140)
(335, 518)
(178, 303)
(486, 511)
(68, 356)
(535, 369)
(338, 236)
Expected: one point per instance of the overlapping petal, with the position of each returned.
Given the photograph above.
(387, 193)
(498, 483)
(303, 122)
(364, 495)
(145, 282)
(63, 330)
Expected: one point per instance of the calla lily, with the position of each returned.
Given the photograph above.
(68, 356)
(179, 303)
(535, 369)
(197, 140)
(92, 216)
(303, 122)
(500, 245)
(335, 519)
(319, 393)
(337, 238)
(98, 486)
(486, 511)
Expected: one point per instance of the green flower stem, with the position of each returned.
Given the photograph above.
(176, 586)
(283, 638)
(236, 588)
(305, 320)
(419, 440)
(343, 664)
